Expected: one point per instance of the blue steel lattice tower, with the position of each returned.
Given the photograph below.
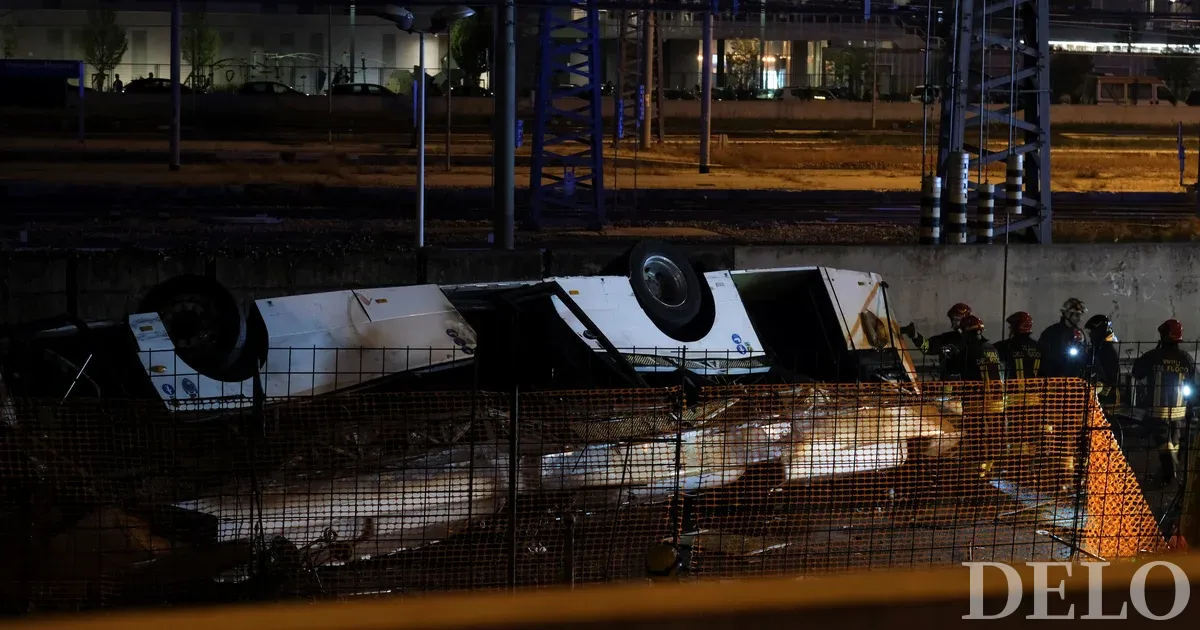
(1018, 31)
(566, 181)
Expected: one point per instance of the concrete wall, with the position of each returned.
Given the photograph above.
(130, 106)
(1137, 285)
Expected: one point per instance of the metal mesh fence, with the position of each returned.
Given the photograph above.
(870, 476)
(119, 503)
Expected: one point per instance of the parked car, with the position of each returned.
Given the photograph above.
(360, 89)
(676, 94)
(805, 94)
(274, 88)
(155, 85)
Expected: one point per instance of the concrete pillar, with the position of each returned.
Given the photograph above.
(798, 64)
(682, 61)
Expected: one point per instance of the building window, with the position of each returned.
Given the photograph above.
(75, 48)
(55, 43)
(227, 40)
(287, 41)
(257, 40)
(316, 44)
(137, 47)
(389, 50)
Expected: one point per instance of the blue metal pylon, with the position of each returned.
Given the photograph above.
(566, 181)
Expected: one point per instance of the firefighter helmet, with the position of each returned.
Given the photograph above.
(971, 323)
(1171, 330)
(1099, 324)
(958, 311)
(1021, 323)
(1074, 305)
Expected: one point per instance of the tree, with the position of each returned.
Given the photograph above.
(8, 35)
(471, 44)
(741, 62)
(104, 41)
(1069, 77)
(199, 47)
(1177, 71)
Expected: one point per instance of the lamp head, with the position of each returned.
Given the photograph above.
(422, 19)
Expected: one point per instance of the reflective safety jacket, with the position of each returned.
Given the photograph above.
(1166, 370)
(1021, 357)
(978, 361)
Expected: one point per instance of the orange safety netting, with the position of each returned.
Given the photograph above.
(1120, 524)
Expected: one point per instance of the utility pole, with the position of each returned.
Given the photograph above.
(647, 77)
(422, 103)
(329, 66)
(504, 126)
(874, 70)
(762, 48)
(176, 75)
(659, 88)
(353, 57)
(706, 70)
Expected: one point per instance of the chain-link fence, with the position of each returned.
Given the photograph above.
(124, 502)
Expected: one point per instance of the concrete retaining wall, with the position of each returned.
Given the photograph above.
(1137, 285)
(147, 106)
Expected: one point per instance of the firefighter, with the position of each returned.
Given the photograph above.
(945, 344)
(978, 359)
(1167, 375)
(1064, 345)
(1020, 354)
(1103, 361)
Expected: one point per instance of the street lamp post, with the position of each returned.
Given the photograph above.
(422, 22)
(421, 139)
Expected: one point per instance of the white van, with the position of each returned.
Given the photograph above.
(1113, 90)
